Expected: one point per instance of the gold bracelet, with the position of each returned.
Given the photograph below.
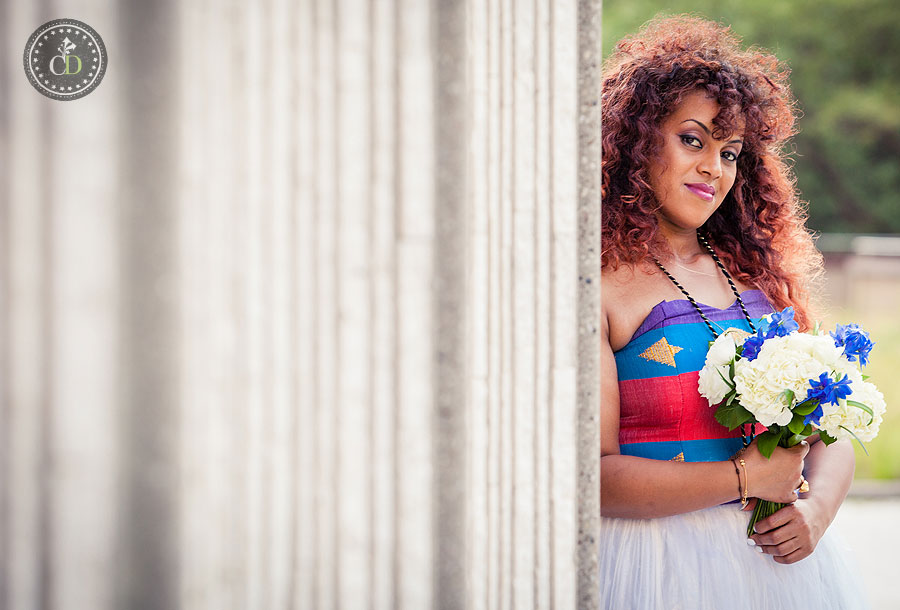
(746, 484)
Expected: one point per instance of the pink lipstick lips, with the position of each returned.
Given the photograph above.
(702, 190)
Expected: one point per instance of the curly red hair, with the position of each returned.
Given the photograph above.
(759, 230)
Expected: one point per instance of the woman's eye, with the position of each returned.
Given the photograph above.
(729, 156)
(691, 141)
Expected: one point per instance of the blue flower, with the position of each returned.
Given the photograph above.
(814, 417)
(825, 390)
(855, 341)
(782, 323)
(753, 343)
(779, 324)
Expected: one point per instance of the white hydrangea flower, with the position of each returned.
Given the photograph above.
(789, 363)
(844, 419)
(715, 370)
(784, 363)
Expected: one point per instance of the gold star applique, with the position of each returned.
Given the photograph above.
(661, 352)
(678, 458)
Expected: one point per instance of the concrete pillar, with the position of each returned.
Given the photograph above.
(149, 208)
(316, 325)
(60, 311)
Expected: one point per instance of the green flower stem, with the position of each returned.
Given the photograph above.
(767, 508)
(763, 509)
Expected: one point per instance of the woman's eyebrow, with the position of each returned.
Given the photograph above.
(706, 129)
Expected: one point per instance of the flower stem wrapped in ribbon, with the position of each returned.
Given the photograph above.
(795, 384)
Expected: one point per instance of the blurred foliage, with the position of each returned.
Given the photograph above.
(844, 57)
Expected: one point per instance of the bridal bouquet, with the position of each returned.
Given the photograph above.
(795, 384)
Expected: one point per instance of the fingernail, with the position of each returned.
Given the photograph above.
(754, 528)
(759, 549)
(751, 542)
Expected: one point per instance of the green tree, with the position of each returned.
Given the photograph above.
(845, 61)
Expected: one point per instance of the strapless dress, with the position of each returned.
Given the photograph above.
(701, 559)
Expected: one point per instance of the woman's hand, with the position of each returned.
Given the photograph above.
(792, 533)
(777, 477)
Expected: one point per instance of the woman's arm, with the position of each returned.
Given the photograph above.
(792, 533)
(829, 471)
(643, 488)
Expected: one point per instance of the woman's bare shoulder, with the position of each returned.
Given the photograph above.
(628, 295)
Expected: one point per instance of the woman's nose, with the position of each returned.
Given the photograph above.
(711, 165)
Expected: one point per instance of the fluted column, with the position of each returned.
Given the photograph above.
(588, 308)
(317, 326)
(60, 417)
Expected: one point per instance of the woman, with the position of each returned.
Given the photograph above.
(702, 231)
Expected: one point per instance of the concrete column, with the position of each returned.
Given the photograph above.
(588, 231)
(317, 328)
(59, 314)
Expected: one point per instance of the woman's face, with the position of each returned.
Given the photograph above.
(694, 171)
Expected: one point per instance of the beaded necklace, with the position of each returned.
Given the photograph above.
(746, 439)
(727, 275)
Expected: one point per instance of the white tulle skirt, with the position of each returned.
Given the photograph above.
(701, 560)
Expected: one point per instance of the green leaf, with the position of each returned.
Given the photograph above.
(796, 426)
(806, 407)
(728, 382)
(766, 443)
(788, 397)
(796, 439)
(732, 415)
(826, 438)
(865, 377)
(857, 440)
(865, 408)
